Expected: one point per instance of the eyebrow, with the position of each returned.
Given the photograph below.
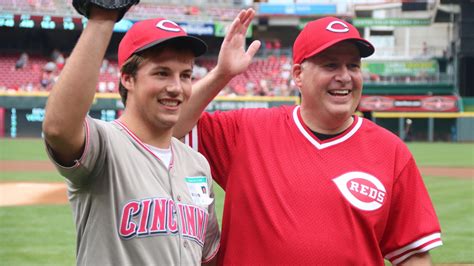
(159, 67)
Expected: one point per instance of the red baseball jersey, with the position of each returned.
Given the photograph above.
(292, 199)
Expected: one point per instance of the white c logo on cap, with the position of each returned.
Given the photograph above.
(162, 26)
(345, 28)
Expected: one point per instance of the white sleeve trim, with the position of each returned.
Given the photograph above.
(191, 139)
(419, 246)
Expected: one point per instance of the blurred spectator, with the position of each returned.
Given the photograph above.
(276, 47)
(285, 72)
(102, 88)
(22, 61)
(105, 65)
(264, 88)
(408, 132)
(227, 91)
(193, 10)
(48, 76)
(249, 88)
(239, 90)
(58, 58)
(111, 87)
(199, 72)
(268, 45)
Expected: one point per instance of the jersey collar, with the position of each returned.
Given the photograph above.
(306, 132)
(141, 143)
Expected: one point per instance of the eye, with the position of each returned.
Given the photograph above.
(330, 65)
(161, 73)
(186, 76)
(354, 66)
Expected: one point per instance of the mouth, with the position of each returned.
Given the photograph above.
(169, 102)
(340, 92)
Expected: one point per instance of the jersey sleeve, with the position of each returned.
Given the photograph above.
(216, 136)
(87, 166)
(413, 226)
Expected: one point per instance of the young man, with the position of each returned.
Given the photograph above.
(312, 184)
(139, 196)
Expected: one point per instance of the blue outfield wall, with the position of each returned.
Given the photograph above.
(21, 115)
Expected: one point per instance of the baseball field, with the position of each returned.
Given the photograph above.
(36, 225)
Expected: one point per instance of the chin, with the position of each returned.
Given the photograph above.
(166, 123)
(341, 110)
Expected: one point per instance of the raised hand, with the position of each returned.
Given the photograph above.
(233, 59)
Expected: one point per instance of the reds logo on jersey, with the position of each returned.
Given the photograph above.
(362, 190)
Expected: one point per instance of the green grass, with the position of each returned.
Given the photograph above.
(45, 235)
(22, 149)
(454, 204)
(37, 176)
(443, 154)
(37, 235)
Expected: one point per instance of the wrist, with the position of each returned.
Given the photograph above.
(102, 14)
(221, 74)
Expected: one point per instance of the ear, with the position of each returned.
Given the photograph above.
(296, 71)
(127, 81)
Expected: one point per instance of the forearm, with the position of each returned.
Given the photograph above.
(72, 95)
(232, 60)
(420, 259)
(204, 90)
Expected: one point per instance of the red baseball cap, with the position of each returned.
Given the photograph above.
(322, 33)
(147, 33)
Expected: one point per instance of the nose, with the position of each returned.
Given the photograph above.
(343, 75)
(174, 87)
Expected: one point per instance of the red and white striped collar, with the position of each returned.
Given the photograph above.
(141, 143)
(306, 132)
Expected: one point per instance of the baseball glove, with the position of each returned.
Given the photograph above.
(83, 6)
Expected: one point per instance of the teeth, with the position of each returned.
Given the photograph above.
(169, 102)
(340, 92)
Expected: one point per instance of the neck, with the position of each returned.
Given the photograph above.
(331, 126)
(155, 136)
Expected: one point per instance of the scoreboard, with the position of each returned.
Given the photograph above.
(28, 122)
(47, 22)
(73, 23)
(41, 22)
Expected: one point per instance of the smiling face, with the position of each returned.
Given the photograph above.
(160, 87)
(331, 87)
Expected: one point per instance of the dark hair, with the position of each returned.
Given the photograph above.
(130, 67)
(134, 62)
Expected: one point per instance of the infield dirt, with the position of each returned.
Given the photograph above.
(27, 193)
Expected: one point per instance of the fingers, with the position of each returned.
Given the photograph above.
(233, 29)
(241, 22)
(253, 48)
(249, 15)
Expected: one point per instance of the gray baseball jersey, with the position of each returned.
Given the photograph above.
(129, 208)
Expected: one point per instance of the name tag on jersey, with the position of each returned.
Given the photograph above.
(199, 190)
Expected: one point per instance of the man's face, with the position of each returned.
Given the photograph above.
(161, 86)
(330, 83)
